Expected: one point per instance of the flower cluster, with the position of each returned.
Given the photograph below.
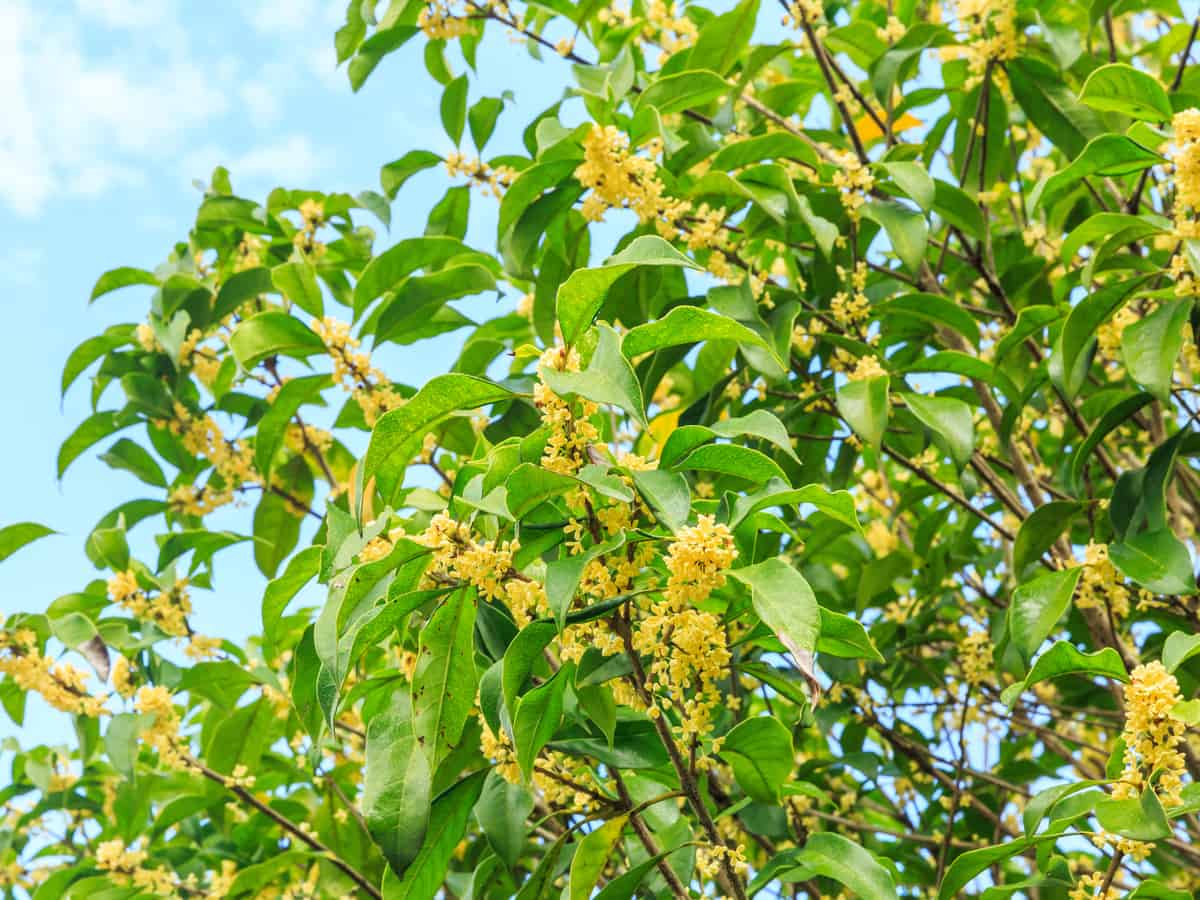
(991, 27)
(1152, 735)
(570, 432)
(312, 217)
(232, 461)
(687, 646)
(458, 557)
(352, 369)
(61, 685)
(440, 22)
(854, 181)
(1101, 585)
(619, 178)
(166, 609)
(976, 658)
(496, 180)
(162, 733)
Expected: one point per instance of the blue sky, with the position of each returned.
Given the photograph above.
(109, 109)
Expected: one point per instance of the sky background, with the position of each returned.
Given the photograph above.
(109, 111)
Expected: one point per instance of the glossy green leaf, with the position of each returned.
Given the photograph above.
(444, 681)
(398, 435)
(579, 297)
(864, 406)
(273, 334)
(1038, 605)
(608, 378)
(760, 752)
(948, 418)
(397, 784)
(1123, 89)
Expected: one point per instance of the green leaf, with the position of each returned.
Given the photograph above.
(963, 870)
(301, 569)
(272, 427)
(397, 782)
(682, 90)
(276, 531)
(121, 741)
(864, 406)
(563, 574)
(948, 418)
(934, 309)
(1102, 226)
(520, 658)
(1041, 529)
(538, 715)
(93, 349)
(667, 493)
(1108, 154)
(1123, 89)
(14, 537)
(735, 460)
(833, 856)
(482, 119)
(1079, 331)
(390, 268)
(774, 146)
(1050, 106)
(443, 684)
(1178, 648)
(398, 434)
(394, 174)
(760, 752)
(448, 820)
(579, 297)
(1151, 346)
(1064, 658)
(1137, 818)
(1043, 802)
(273, 334)
(785, 604)
(502, 810)
(136, 459)
(454, 108)
(689, 325)
(1157, 560)
(591, 856)
(914, 180)
(418, 291)
(906, 229)
(1116, 416)
(528, 486)
(1038, 605)
(845, 637)
(298, 282)
(838, 505)
(115, 279)
(724, 38)
(608, 378)
(89, 432)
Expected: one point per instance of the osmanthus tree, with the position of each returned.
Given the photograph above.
(832, 536)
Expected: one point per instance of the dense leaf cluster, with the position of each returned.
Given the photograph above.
(817, 515)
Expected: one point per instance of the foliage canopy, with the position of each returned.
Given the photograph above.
(832, 533)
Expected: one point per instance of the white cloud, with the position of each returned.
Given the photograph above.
(74, 122)
(289, 160)
(116, 94)
(127, 13)
(275, 16)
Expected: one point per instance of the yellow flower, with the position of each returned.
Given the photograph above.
(1152, 735)
(867, 367)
